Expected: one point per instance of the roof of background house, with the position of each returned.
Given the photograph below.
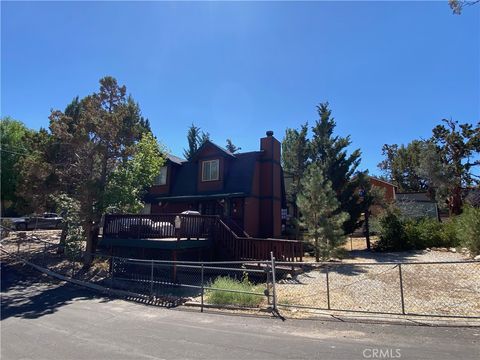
(417, 205)
(414, 196)
(175, 159)
(473, 197)
(381, 180)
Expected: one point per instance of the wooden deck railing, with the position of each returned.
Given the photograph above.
(159, 226)
(248, 248)
(228, 245)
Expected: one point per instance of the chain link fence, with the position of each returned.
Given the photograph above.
(411, 288)
(433, 288)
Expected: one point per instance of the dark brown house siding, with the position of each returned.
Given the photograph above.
(248, 190)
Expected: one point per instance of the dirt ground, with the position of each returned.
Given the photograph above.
(431, 284)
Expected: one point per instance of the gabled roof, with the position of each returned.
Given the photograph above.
(237, 181)
(383, 181)
(219, 148)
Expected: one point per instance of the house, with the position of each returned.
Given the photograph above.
(417, 205)
(389, 189)
(245, 188)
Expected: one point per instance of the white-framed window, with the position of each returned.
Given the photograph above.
(210, 170)
(161, 179)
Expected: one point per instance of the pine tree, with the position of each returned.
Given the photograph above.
(295, 153)
(195, 138)
(231, 147)
(329, 151)
(321, 213)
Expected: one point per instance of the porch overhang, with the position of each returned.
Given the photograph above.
(153, 198)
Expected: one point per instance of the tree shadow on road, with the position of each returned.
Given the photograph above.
(28, 294)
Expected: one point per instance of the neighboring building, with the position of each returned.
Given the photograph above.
(389, 189)
(247, 188)
(417, 205)
(472, 197)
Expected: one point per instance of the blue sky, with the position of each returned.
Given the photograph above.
(390, 70)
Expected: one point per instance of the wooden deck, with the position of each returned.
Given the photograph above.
(156, 243)
(178, 231)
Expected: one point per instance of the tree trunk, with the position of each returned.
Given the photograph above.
(317, 250)
(456, 202)
(63, 240)
(90, 248)
(367, 229)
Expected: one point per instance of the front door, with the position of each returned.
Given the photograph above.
(236, 210)
(211, 207)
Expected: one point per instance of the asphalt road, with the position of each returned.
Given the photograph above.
(45, 319)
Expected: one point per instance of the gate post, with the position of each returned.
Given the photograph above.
(401, 288)
(328, 288)
(274, 293)
(201, 308)
(151, 279)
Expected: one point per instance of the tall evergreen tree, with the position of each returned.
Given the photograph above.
(321, 213)
(101, 133)
(329, 152)
(295, 154)
(231, 147)
(195, 138)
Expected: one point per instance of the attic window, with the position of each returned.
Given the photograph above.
(210, 170)
(161, 179)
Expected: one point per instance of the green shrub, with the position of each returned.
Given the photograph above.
(467, 227)
(393, 234)
(398, 233)
(219, 297)
(431, 233)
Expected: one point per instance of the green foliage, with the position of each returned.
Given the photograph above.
(73, 236)
(130, 180)
(233, 298)
(295, 154)
(398, 233)
(38, 171)
(392, 233)
(442, 165)
(195, 138)
(231, 147)
(401, 166)
(321, 214)
(468, 229)
(87, 145)
(329, 151)
(13, 149)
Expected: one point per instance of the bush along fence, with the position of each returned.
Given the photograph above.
(447, 289)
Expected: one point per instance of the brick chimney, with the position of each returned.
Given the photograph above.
(270, 187)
